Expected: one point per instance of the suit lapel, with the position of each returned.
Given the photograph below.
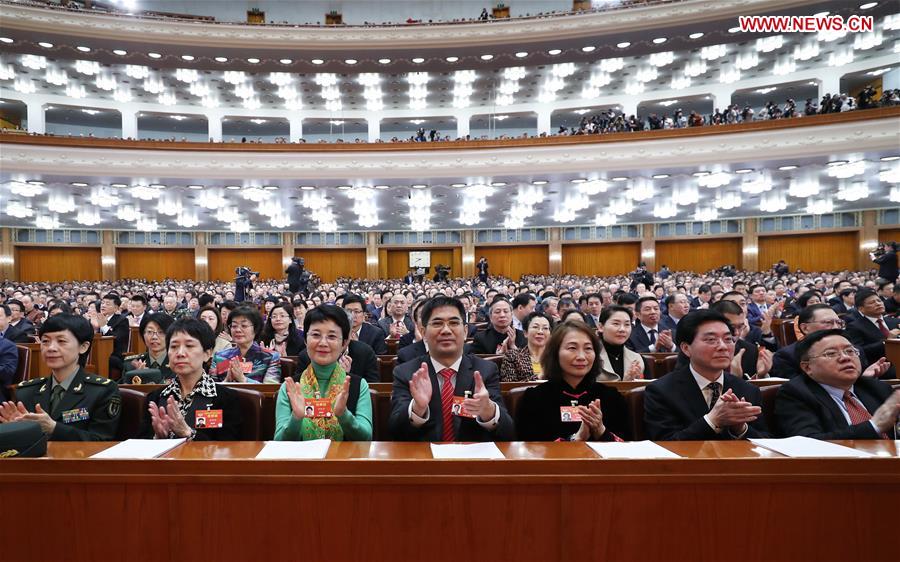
(826, 401)
(690, 392)
(435, 407)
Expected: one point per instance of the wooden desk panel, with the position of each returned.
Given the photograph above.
(389, 501)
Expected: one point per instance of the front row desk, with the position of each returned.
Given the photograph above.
(722, 501)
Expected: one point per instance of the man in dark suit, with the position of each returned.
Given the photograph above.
(846, 302)
(700, 401)
(482, 267)
(831, 400)
(9, 361)
(17, 317)
(500, 336)
(871, 328)
(9, 332)
(677, 306)
(427, 388)
(374, 307)
(757, 306)
(650, 334)
(360, 330)
(363, 361)
(409, 279)
(112, 323)
(396, 323)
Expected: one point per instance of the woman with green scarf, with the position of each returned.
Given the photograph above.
(324, 401)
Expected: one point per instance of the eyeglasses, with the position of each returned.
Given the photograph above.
(453, 323)
(330, 338)
(832, 323)
(712, 340)
(355, 312)
(835, 354)
(153, 334)
(245, 326)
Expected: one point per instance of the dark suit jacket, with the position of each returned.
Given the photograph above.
(226, 399)
(410, 352)
(25, 325)
(674, 408)
(863, 333)
(385, 324)
(466, 429)
(374, 337)
(639, 340)
(755, 337)
(803, 407)
(9, 360)
(754, 314)
(16, 335)
(486, 342)
(121, 331)
(364, 364)
(786, 365)
(840, 308)
(538, 414)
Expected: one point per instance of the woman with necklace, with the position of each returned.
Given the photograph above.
(524, 364)
(571, 405)
(618, 362)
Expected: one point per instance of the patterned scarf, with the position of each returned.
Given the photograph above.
(206, 386)
(322, 428)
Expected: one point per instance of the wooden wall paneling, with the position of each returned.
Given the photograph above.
(222, 263)
(889, 235)
(515, 261)
(155, 264)
(456, 270)
(698, 255)
(397, 263)
(383, 263)
(331, 264)
(600, 259)
(58, 264)
(831, 251)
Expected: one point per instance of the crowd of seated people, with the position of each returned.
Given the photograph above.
(607, 121)
(575, 333)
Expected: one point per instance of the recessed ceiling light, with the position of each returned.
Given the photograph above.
(554, 52)
(457, 185)
(418, 60)
(83, 49)
(195, 186)
(382, 187)
(619, 178)
(487, 57)
(521, 55)
(344, 187)
(351, 61)
(307, 187)
(734, 30)
(46, 45)
(660, 176)
(286, 61)
(868, 5)
(697, 35)
(233, 187)
(187, 57)
(451, 59)
(539, 182)
(589, 49)
(78, 184)
(119, 185)
(743, 171)
(120, 52)
(418, 186)
(221, 59)
(659, 40)
(890, 158)
(498, 183)
(836, 162)
(253, 60)
(6, 40)
(623, 44)
(317, 61)
(821, 14)
(579, 180)
(270, 187)
(786, 168)
(384, 61)
(35, 182)
(700, 174)
(154, 55)
(157, 186)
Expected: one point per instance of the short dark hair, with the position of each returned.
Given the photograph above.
(704, 289)
(755, 285)
(162, 320)
(626, 298)
(229, 305)
(570, 312)
(351, 298)
(597, 296)
(205, 299)
(804, 298)
(139, 298)
(727, 307)
(806, 314)
(862, 295)
(522, 299)
(531, 316)
(197, 329)
(62, 306)
(608, 311)
(6, 310)
(115, 298)
(79, 326)
(550, 359)
(882, 284)
(690, 324)
(16, 302)
(642, 300)
(801, 352)
(324, 313)
(251, 313)
(437, 302)
(218, 328)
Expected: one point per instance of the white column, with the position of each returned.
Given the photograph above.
(630, 107)
(129, 123)
(462, 125)
(830, 83)
(374, 128)
(890, 80)
(214, 127)
(36, 121)
(296, 125)
(543, 122)
(721, 98)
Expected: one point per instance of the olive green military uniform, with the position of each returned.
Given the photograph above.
(88, 411)
(160, 373)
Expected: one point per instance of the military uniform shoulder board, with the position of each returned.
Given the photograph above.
(31, 382)
(133, 357)
(97, 380)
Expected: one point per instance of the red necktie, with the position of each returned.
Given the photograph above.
(884, 329)
(447, 405)
(858, 414)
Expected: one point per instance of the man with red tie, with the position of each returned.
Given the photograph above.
(446, 395)
(831, 400)
(868, 328)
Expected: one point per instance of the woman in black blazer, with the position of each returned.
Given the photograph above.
(571, 405)
(193, 406)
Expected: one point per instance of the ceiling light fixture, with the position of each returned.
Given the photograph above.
(154, 55)
(418, 60)
(286, 61)
(351, 61)
(221, 59)
(6, 40)
(521, 55)
(317, 61)
(660, 40)
(487, 57)
(623, 44)
(187, 57)
(697, 35)
(46, 45)
(589, 49)
(554, 52)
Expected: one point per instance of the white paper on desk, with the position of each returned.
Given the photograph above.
(466, 451)
(805, 447)
(294, 450)
(631, 450)
(139, 449)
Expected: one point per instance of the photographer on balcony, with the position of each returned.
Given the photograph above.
(886, 258)
(243, 282)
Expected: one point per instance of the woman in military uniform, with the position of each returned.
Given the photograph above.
(70, 404)
(192, 405)
(152, 366)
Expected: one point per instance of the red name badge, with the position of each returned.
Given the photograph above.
(208, 419)
(457, 409)
(569, 414)
(246, 367)
(318, 408)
